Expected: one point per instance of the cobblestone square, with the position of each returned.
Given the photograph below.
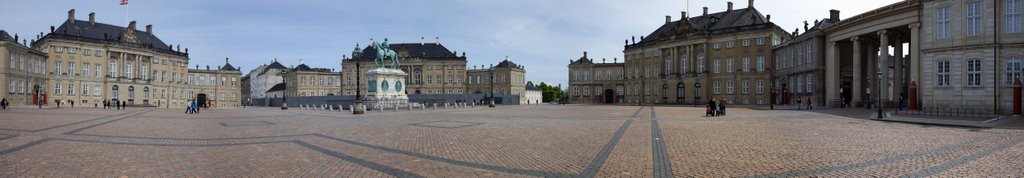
(507, 141)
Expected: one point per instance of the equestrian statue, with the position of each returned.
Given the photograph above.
(384, 52)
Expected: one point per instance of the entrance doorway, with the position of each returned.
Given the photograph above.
(609, 96)
(201, 100)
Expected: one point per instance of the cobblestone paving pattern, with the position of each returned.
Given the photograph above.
(507, 141)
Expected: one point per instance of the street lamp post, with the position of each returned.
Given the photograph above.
(358, 104)
(771, 95)
(490, 102)
(881, 107)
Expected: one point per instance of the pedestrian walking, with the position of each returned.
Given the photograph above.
(3, 104)
(721, 108)
(798, 104)
(809, 105)
(195, 108)
(713, 105)
(124, 105)
(72, 103)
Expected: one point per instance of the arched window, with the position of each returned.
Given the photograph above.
(113, 92)
(112, 69)
(131, 94)
(680, 93)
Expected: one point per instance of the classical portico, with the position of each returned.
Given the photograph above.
(866, 63)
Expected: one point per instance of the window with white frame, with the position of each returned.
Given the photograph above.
(668, 65)
(10, 61)
(942, 23)
(72, 50)
(716, 46)
(728, 65)
(729, 44)
(575, 91)
(760, 86)
(586, 91)
(746, 64)
(112, 70)
(973, 18)
(96, 90)
(57, 67)
(71, 68)
(746, 42)
(684, 65)
(86, 52)
(58, 49)
(760, 41)
(144, 70)
(810, 52)
(746, 87)
(99, 53)
(716, 67)
(942, 73)
(810, 83)
(1013, 16)
(799, 84)
(85, 69)
(10, 85)
(717, 87)
(1013, 70)
(760, 63)
(700, 64)
(56, 88)
(729, 87)
(85, 90)
(99, 70)
(23, 86)
(974, 72)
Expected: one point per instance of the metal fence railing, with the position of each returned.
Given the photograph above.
(952, 111)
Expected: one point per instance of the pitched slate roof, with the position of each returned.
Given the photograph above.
(227, 66)
(531, 87)
(82, 30)
(4, 36)
(278, 87)
(427, 51)
(715, 21)
(508, 64)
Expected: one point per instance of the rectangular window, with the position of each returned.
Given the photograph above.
(942, 73)
(1013, 70)
(684, 65)
(942, 23)
(72, 50)
(760, 63)
(746, 64)
(71, 68)
(810, 83)
(71, 89)
(717, 87)
(56, 67)
(716, 46)
(974, 72)
(746, 42)
(810, 53)
(144, 70)
(760, 41)
(85, 90)
(1013, 16)
(10, 85)
(700, 65)
(973, 18)
(99, 70)
(716, 67)
(728, 64)
(746, 87)
(729, 44)
(58, 49)
(99, 53)
(96, 90)
(10, 61)
(86, 52)
(85, 69)
(760, 86)
(56, 88)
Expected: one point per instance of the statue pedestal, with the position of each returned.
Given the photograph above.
(385, 88)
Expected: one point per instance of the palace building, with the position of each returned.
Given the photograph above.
(591, 82)
(306, 81)
(92, 62)
(22, 71)
(431, 68)
(508, 79)
(723, 56)
(218, 88)
(799, 65)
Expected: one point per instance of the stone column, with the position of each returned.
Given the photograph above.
(899, 69)
(915, 57)
(883, 61)
(855, 96)
(832, 75)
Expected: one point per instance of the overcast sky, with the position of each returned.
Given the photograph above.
(542, 35)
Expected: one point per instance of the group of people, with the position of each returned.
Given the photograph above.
(107, 104)
(192, 108)
(800, 106)
(715, 108)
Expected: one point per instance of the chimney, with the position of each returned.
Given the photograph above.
(92, 18)
(750, 3)
(833, 15)
(149, 29)
(668, 19)
(131, 25)
(437, 40)
(683, 17)
(584, 54)
(730, 6)
(705, 11)
(71, 16)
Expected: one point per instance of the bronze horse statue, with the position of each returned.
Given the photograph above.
(384, 52)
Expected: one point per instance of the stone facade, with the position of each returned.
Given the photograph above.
(431, 68)
(971, 54)
(98, 62)
(219, 87)
(711, 56)
(22, 69)
(509, 79)
(591, 82)
(306, 81)
(799, 66)
(263, 77)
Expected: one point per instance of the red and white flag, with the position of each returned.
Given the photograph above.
(124, 2)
